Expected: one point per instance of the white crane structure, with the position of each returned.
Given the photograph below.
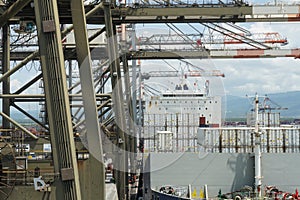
(200, 40)
(226, 40)
(196, 73)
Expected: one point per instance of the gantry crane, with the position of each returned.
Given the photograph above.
(269, 105)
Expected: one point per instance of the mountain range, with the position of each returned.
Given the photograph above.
(287, 103)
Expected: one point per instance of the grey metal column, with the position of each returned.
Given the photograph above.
(95, 184)
(57, 100)
(130, 147)
(70, 74)
(5, 68)
(118, 102)
(134, 89)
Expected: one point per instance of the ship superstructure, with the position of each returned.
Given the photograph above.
(180, 111)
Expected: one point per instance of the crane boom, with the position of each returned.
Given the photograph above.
(197, 39)
(147, 75)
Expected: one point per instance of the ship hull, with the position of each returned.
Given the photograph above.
(224, 172)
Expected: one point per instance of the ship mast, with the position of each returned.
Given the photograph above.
(257, 133)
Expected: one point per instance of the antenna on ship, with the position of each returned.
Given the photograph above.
(257, 150)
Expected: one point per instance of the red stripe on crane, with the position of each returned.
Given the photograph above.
(293, 17)
(295, 53)
(249, 53)
(275, 41)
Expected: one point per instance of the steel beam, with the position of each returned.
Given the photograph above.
(18, 125)
(69, 52)
(133, 103)
(19, 66)
(206, 13)
(12, 11)
(146, 12)
(5, 68)
(43, 96)
(27, 85)
(185, 13)
(169, 54)
(118, 102)
(214, 54)
(131, 136)
(30, 116)
(194, 53)
(94, 187)
(57, 100)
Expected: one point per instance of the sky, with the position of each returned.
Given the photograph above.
(264, 76)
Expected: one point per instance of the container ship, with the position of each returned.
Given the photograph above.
(190, 155)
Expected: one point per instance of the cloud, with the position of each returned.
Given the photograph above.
(15, 84)
(264, 75)
(22, 77)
